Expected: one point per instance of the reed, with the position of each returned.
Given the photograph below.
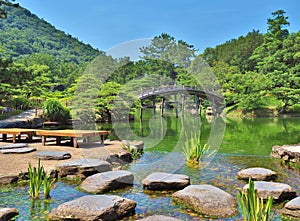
(255, 208)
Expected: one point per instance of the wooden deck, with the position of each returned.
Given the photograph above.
(87, 135)
(16, 132)
(73, 134)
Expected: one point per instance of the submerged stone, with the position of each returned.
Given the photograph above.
(8, 179)
(95, 207)
(8, 213)
(292, 208)
(159, 218)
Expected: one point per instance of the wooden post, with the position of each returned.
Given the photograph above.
(154, 109)
(197, 104)
(141, 111)
(200, 113)
(182, 104)
(162, 106)
(176, 106)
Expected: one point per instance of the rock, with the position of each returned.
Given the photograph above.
(94, 207)
(103, 182)
(8, 213)
(292, 208)
(159, 218)
(121, 157)
(4, 179)
(165, 181)
(134, 144)
(83, 167)
(52, 155)
(207, 200)
(287, 152)
(18, 150)
(257, 173)
(13, 145)
(279, 191)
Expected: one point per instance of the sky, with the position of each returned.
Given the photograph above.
(110, 24)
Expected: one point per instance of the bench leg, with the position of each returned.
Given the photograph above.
(74, 142)
(102, 138)
(29, 137)
(14, 138)
(44, 140)
(4, 137)
(58, 140)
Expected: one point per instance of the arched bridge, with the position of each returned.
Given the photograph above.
(165, 90)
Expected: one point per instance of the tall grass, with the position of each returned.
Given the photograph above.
(193, 150)
(253, 207)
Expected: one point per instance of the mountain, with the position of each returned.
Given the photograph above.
(23, 33)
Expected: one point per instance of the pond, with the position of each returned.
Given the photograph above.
(242, 143)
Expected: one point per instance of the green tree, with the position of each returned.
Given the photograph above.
(277, 24)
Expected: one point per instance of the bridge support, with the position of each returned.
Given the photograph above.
(162, 107)
(176, 106)
(197, 104)
(182, 104)
(154, 109)
(141, 111)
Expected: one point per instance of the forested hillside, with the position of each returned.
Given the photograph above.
(23, 33)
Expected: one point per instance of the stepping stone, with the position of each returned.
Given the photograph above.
(8, 213)
(159, 218)
(292, 208)
(95, 207)
(103, 182)
(165, 181)
(52, 155)
(83, 167)
(4, 179)
(18, 150)
(14, 145)
(207, 200)
(134, 144)
(257, 173)
(279, 191)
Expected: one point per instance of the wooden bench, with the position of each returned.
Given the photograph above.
(87, 135)
(16, 132)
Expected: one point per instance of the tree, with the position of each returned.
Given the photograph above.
(3, 12)
(277, 24)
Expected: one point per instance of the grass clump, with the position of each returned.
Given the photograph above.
(253, 207)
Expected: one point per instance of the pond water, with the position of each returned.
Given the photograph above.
(242, 143)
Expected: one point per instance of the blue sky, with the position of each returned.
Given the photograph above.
(107, 23)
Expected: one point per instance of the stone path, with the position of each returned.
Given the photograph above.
(18, 120)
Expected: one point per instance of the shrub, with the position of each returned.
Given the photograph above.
(53, 110)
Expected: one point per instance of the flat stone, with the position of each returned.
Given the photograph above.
(52, 155)
(8, 213)
(287, 152)
(165, 181)
(13, 145)
(83, 167)
(159, 218)
(4, 179)
(207, 200)
(279, 191)
(257, 173)
(103, 182)
(94, 207)
(18, 150)
(134, 144)
(292, 208)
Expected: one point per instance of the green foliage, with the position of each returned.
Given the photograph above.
(38, 178)
(253, 207)
(193, 150)
(53, 110)
(134, 152)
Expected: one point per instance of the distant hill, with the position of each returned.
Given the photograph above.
(24, 33)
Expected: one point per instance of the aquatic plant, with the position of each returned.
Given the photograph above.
(134, 152)
(253, 207)
(193, 150)
(38, 178)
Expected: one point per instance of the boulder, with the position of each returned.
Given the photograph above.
(83, 167)
(257, 173)
(165, 181)
(288, 153)
(13, 145)
(18, 150)
(94, 207)
(159, 218)
(292, 208)
(8, 213)
(279, 191)
(8, 179)
(103, 182)
(52, 155)
(207, 200)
